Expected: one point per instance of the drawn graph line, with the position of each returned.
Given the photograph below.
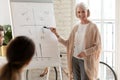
(41, 50)
(43, 34)
(34, 16)
(30, 15)
(36, 53)
(25, 14)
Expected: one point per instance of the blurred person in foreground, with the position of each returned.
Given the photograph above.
(19, 52)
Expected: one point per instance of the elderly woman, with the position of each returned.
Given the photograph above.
(83, 46)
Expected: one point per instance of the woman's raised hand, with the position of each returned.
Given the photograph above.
(54, 31)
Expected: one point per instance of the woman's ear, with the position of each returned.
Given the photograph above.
(88, 13)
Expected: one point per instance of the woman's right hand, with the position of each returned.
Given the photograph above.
(54, 31)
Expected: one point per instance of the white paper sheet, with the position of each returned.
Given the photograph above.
(29, 19)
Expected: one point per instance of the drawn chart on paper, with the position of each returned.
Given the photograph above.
(29, 19)
(45, 40)
(33, 14)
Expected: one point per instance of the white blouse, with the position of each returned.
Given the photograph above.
(79, 44)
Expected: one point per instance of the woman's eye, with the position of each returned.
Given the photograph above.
(78, 11)
(83, 11)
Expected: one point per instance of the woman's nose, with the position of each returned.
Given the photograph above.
(79, 14)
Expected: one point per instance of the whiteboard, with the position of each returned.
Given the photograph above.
(29, 18)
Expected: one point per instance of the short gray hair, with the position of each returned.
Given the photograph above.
(83, 6)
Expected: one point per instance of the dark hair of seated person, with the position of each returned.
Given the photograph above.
(19, 53)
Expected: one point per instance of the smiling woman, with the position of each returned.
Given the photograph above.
(103, 14)
(7, 36)
(83, 46)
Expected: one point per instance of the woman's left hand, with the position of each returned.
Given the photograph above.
(81, 55)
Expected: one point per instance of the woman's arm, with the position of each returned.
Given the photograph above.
(61, 40)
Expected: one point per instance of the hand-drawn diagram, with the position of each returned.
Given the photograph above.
(34, 14)
(29, 19)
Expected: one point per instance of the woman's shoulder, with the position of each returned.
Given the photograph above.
(76, 25)
(93, 27)
(92, 23)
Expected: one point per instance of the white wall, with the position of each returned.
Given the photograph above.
(64, 15)
(4, 12)
(117, 39)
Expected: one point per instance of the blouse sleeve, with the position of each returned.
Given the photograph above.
(66, 42)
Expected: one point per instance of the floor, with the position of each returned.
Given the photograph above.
(35, 75)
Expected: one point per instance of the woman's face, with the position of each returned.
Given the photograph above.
(1, 37)
(81, 13)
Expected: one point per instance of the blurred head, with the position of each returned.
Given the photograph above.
(20, 51)
(82, 11)
(1, 35)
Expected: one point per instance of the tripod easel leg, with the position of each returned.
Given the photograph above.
(61, 76)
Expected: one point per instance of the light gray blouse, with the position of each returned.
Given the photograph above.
(79, 44)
